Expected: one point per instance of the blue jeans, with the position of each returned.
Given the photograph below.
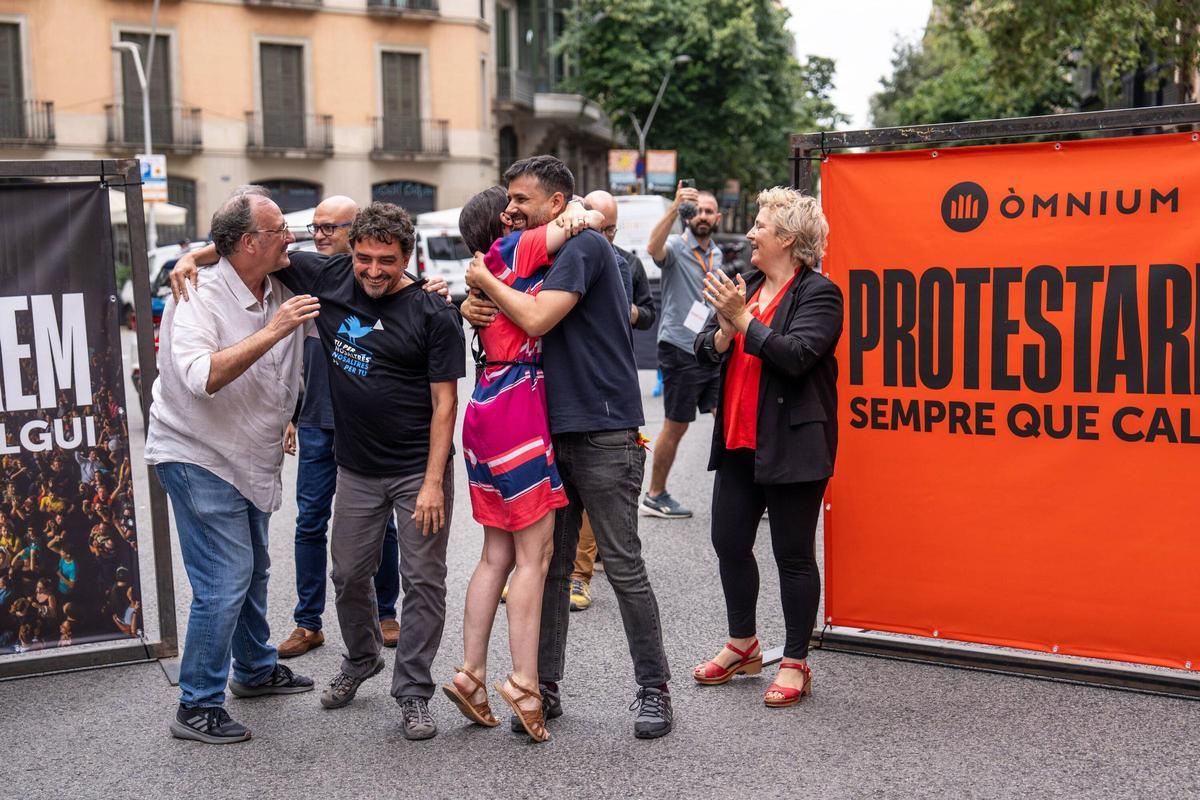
(223, 539)
(316, 480)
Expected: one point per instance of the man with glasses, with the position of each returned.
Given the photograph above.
(229, 369)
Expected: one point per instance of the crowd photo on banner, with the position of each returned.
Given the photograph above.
(68, 537)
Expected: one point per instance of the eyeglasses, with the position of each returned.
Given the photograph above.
(328, 228)
(280, 231)
(609, 230)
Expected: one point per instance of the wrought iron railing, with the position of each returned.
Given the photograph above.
(172, 128)
(400, 6)
(303, 5)
(26, 121)
(279, 131)
(514, 86)
(397, 135)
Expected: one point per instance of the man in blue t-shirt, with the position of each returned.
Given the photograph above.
(595, 405)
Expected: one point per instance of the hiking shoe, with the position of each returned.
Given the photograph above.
(342, 688)
(415, 717)
(581, 595)
(391, 632)
(654, 717)
(300, 642)
(551, 708)
(282, 681)
(211, 725)
(664, 506)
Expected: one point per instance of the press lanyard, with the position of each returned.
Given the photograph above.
(700, 257)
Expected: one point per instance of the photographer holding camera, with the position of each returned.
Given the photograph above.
(687, 385)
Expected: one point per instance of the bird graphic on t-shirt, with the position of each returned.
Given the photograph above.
(353, 329)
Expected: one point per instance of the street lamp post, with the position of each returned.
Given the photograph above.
(643, 131)
(151, 228)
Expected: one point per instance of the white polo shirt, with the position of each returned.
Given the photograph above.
(236, 433)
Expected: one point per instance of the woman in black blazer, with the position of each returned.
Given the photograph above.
(775, 435)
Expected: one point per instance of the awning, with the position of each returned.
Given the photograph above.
(164, 213)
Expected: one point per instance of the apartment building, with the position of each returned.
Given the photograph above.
(533, 112)
(375, 99)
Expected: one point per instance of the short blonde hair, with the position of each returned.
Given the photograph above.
(799, 217)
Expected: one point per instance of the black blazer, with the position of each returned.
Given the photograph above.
(797, 396)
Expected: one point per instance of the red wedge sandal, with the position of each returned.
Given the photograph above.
(710, 673)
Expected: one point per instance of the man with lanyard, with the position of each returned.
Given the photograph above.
(687, 385)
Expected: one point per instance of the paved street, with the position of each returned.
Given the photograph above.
(873, 727)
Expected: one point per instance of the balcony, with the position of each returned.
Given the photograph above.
(409, 138)
(173, 129)
(514, 86)
(291, 135)
(420, 8)
(26, 123)
(299, 5)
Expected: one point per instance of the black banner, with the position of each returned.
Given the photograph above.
(68, 542)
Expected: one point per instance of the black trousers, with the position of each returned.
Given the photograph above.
(737, 507)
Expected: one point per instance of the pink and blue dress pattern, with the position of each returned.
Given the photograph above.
(506, 429)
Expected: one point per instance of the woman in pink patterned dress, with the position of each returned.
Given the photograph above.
(515, 485)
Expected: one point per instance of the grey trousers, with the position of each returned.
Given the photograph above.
(360, 512)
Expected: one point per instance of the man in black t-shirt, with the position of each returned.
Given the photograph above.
(395, 356)
(595, 404)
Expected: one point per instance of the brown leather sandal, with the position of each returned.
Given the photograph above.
(532, 719)
(480, 713)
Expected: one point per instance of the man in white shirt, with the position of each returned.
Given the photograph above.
(229, 372)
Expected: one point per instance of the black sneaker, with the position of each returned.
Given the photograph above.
(282, 681)
(664, 506)
(654, 717)
(211, 725)
(343, 687)
(551, 708)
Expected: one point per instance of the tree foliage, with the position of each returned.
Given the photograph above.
(730, 110)
(984, 59)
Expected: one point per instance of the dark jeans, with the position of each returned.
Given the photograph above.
(316, 480)
(737, 507)
(602, 472)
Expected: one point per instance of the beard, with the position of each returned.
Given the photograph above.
(699, 227)
(376, 289)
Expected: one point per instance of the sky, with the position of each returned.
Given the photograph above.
(859, 35)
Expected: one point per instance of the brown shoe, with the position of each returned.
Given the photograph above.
(391, 632)
(300, 642)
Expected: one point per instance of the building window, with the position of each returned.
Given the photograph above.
(401, 76)
(412, 196)
(281, 68)
(161, 116)
(508, 148)
(292, 195)
(12, 83)
(180, 192)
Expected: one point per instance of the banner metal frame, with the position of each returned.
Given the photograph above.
(807, 148)
(124, 175)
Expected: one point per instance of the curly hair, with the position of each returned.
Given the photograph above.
(384, 223)
(800, 218)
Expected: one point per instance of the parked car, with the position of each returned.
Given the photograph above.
(735, 252)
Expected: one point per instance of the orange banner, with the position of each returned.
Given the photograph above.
(1019, 396)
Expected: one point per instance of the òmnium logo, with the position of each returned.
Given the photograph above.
(964, 207)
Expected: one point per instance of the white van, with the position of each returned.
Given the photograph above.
(637, 214)
(440, 250)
